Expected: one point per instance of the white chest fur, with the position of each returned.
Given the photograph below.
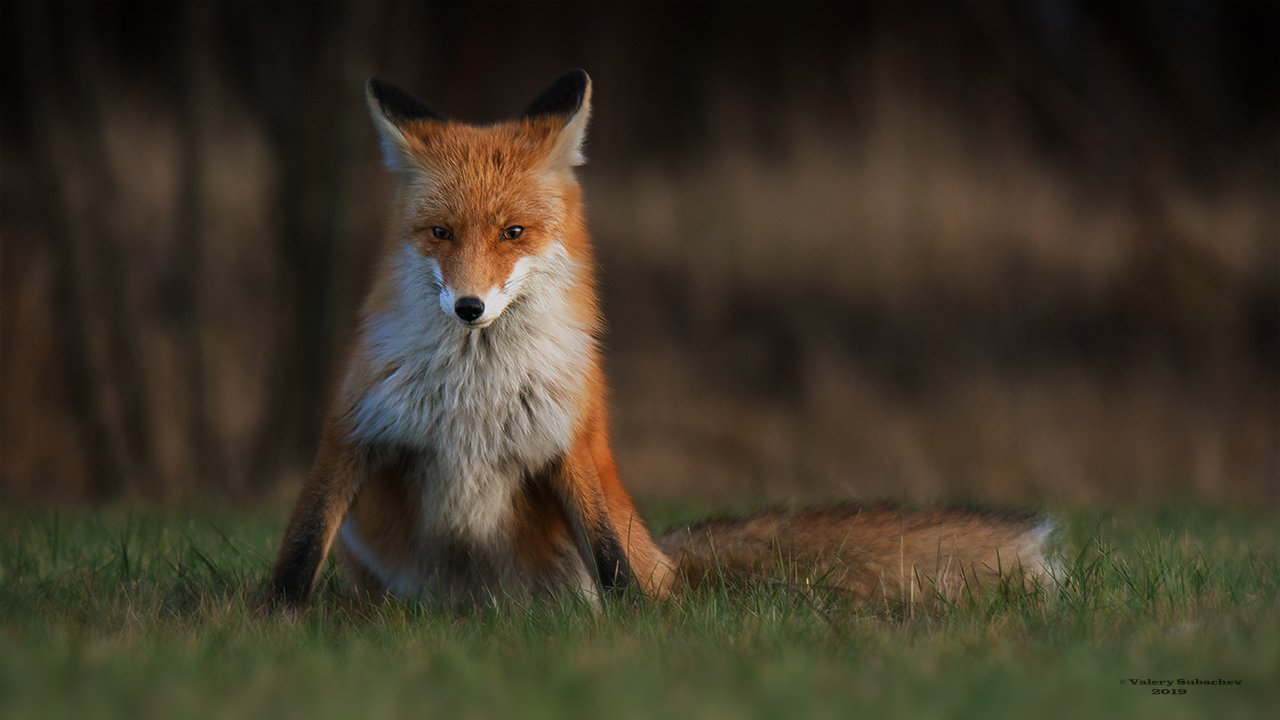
(478, 408)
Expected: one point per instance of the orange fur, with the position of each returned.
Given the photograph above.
(871, 552)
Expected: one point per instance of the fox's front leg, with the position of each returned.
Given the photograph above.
(336, 476)
(611, 538)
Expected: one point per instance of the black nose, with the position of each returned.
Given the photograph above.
(469, 308)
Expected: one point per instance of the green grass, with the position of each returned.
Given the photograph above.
(149, 614)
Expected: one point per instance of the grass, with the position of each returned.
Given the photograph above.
(148, 614)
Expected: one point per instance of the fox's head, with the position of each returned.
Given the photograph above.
(486, 210)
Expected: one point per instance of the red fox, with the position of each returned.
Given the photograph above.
(466, 454)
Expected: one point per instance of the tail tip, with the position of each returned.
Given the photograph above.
(1035, 550)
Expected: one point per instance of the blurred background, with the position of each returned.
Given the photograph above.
(1016, 253)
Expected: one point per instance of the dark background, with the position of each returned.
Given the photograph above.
(1019, 253)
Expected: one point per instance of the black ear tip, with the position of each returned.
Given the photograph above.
(577, 80)
(379, 89)
(564, 97)
(397, 103)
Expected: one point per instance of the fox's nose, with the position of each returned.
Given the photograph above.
(469, 308)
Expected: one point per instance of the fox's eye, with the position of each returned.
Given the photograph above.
(512, 232)
(440, 233)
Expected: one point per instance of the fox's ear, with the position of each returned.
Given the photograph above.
(392, 108)
(569, 97)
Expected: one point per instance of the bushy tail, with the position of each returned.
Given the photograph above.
(869, 551)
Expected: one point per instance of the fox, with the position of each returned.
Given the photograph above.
(465, 456)
(466, 453)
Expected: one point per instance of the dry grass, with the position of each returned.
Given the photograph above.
(887, 282)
